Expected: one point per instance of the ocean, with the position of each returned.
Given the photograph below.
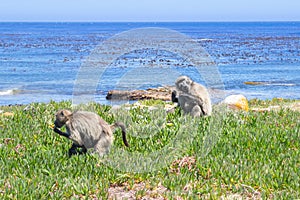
(40, 62)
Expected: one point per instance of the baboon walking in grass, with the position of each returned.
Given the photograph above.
(87, 130)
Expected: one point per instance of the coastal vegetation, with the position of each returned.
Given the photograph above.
(256, 155)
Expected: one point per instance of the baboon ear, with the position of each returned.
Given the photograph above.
(62, 113)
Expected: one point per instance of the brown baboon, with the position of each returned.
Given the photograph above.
(87, 130)
(192, 97)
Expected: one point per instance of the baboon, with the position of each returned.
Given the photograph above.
(87, 130)
(193, 98)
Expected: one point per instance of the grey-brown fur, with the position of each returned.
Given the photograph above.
(87, 130)
(193, 98)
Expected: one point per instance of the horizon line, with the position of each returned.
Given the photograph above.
(139, 21)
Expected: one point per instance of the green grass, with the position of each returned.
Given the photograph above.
(254, 152)
(271, 102)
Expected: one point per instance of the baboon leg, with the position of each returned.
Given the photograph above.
(73, 149)
(174, 96)
(102, 147)
(196, 111)
(102, 152)
(83, 150)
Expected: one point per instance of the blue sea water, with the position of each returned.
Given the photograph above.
(40, 62)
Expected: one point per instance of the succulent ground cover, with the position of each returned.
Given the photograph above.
(256, 156)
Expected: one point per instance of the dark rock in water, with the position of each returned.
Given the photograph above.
(255, 83)
(160, 93)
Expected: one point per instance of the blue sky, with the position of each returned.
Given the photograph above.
(149, 10)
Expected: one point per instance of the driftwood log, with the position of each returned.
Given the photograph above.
(160, 93)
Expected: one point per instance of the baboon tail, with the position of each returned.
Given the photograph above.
(123, 128)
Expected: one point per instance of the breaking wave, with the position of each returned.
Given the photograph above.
(9, 92)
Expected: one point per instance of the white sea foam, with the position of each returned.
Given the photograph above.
(205, 39)
(8, 92)
(281, 84)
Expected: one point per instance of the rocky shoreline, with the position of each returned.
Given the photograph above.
(164, 93)
(235, 102)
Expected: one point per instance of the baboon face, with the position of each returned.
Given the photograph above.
(62, 117)
(183, 83)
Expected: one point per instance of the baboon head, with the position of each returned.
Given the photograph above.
(183, 83)
(62, 116)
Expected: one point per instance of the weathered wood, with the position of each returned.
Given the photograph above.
(160, 93)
